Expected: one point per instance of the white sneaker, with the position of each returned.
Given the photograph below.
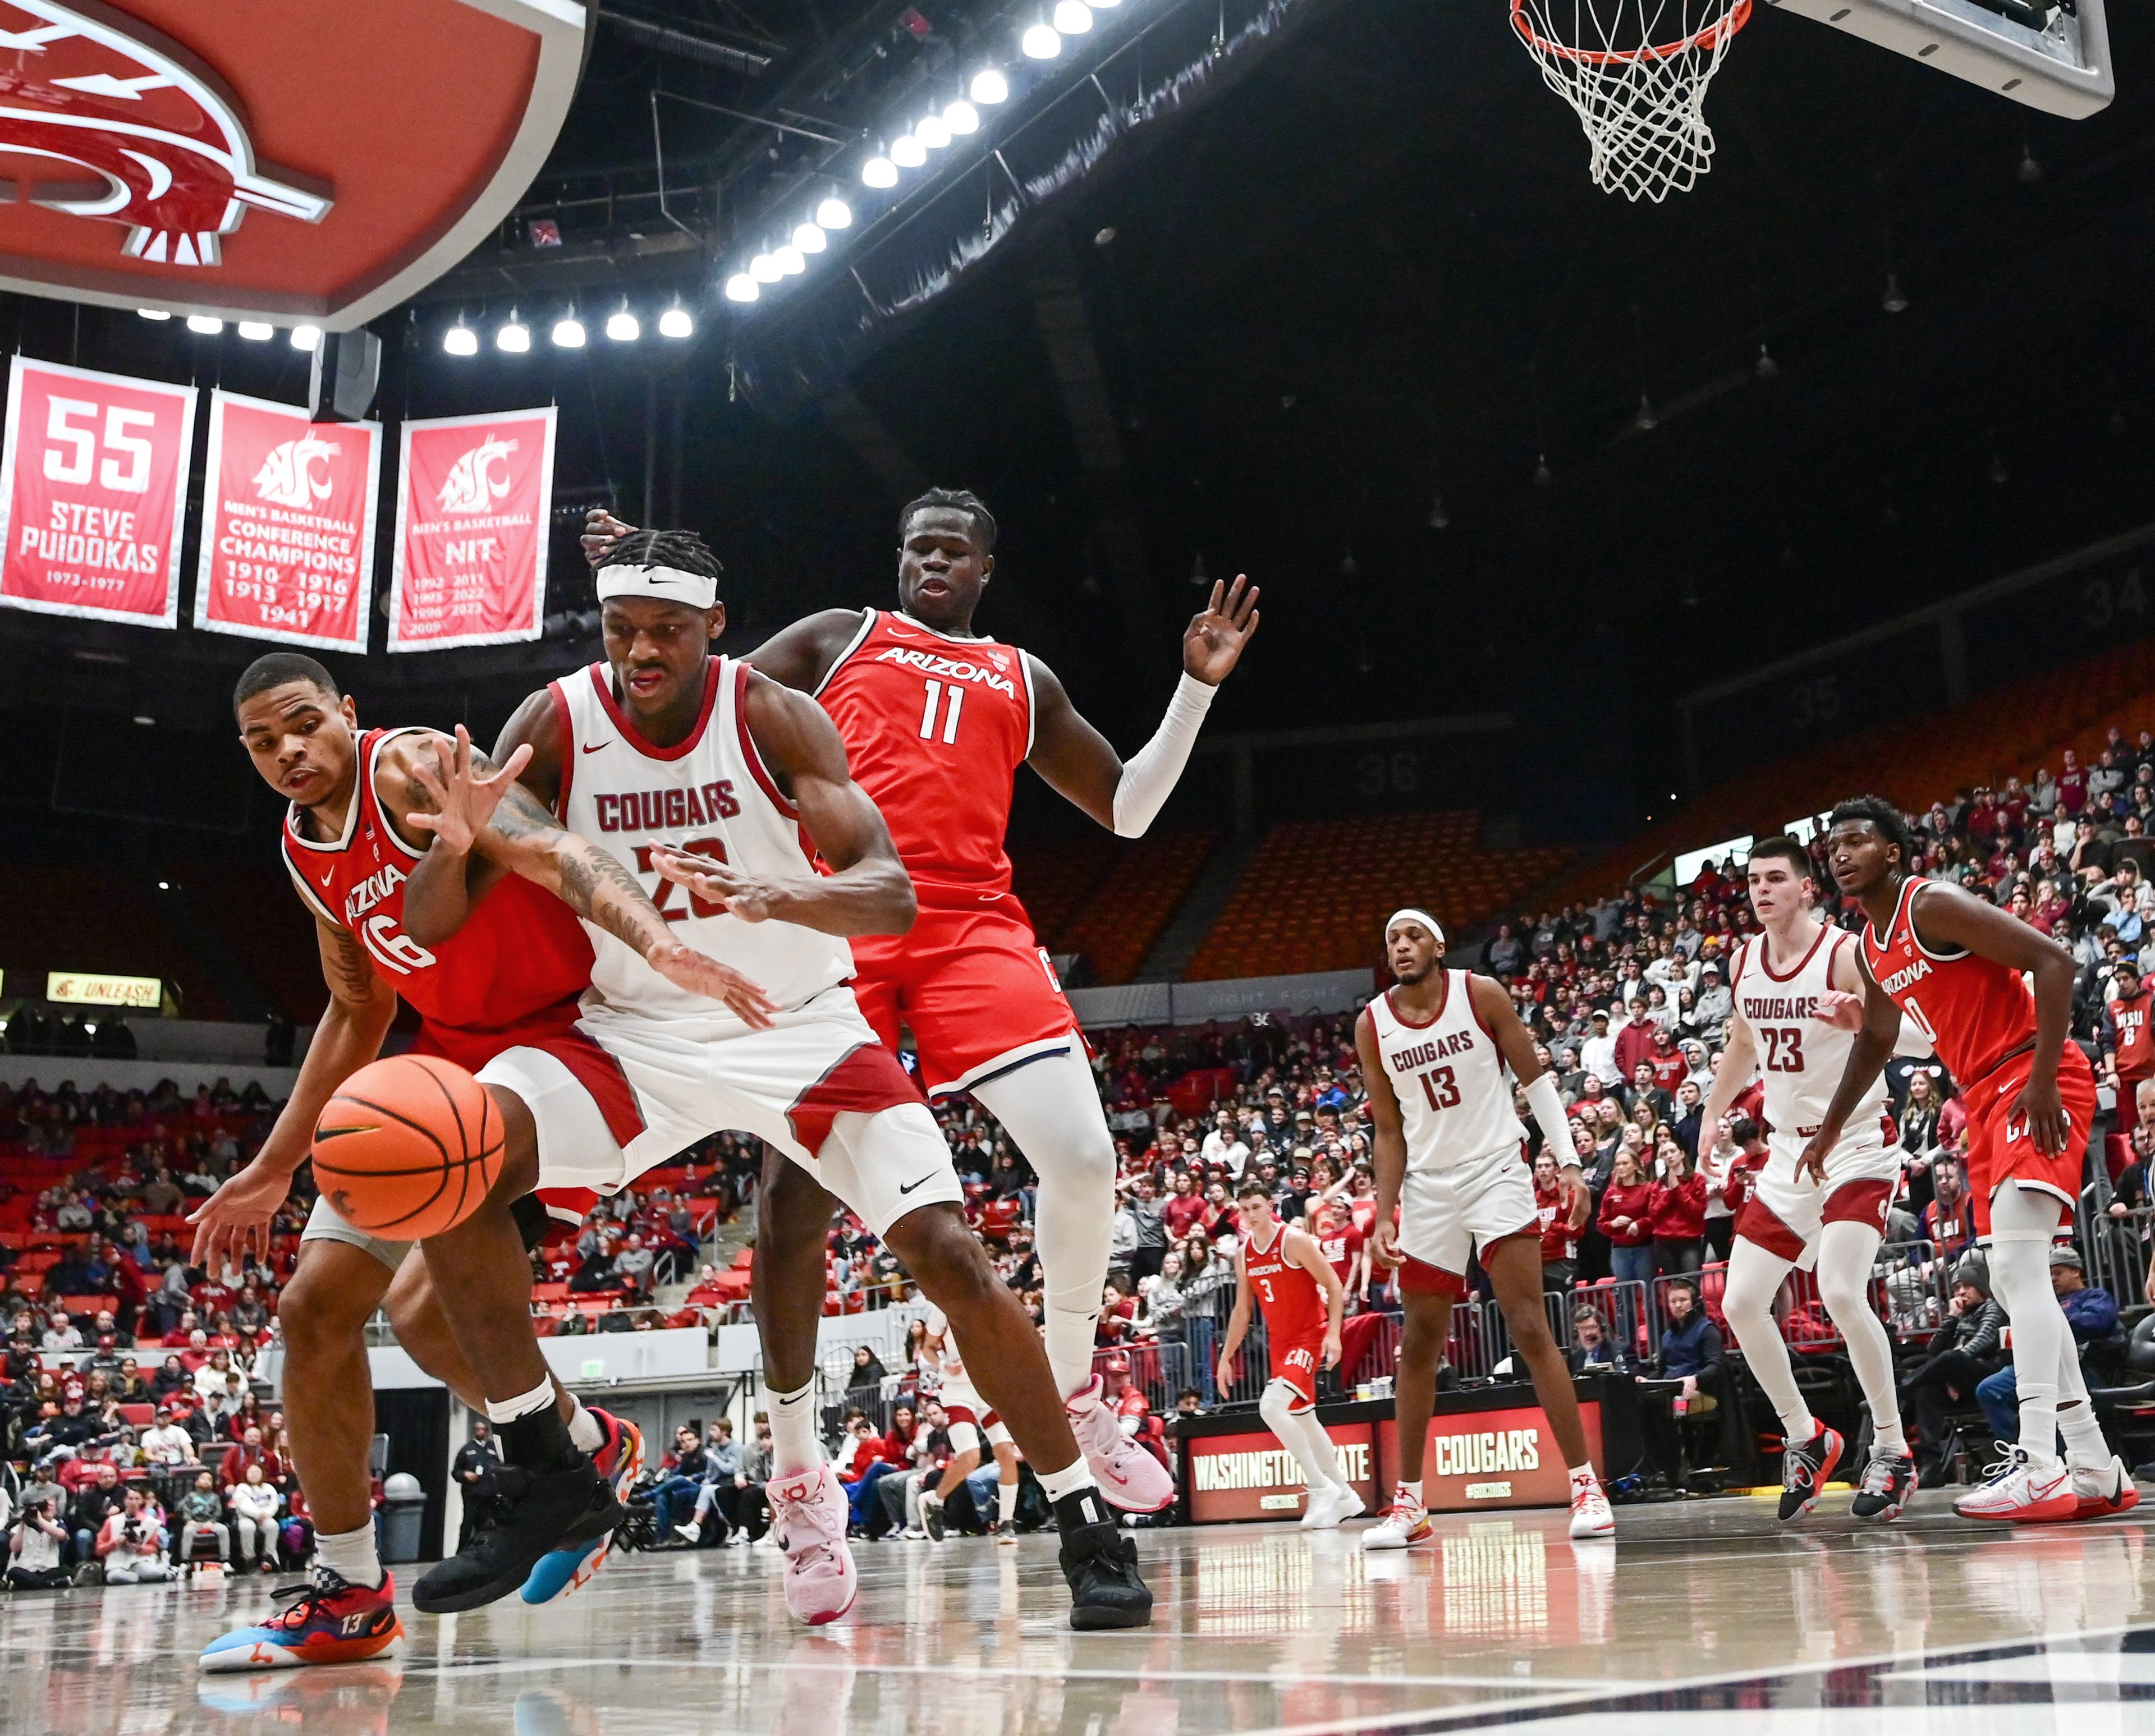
(2022, 1491)
(1328, 1506)
(2104, 1491)
(1399, 1526)
(1590, 1516)
(691, 1533)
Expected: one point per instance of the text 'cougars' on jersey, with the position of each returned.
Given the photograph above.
(1405, 1060)
(655, 811)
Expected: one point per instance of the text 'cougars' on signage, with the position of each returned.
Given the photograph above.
(1493, 1459)
(261, 159)
(288, 525)
(471, 507)
(93, 493)
(1251, 1476)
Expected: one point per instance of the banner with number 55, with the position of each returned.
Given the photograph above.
(93, 493)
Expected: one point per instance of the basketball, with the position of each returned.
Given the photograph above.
(407, 1147)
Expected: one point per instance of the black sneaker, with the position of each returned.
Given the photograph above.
(1101, 1565)
(931, 1515)
(1805, 1470)
(535, 1513)
(1888, 1480)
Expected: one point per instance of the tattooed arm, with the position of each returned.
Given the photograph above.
(346, 1037)
(473, 809)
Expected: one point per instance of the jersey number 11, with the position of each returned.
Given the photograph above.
(950, 712)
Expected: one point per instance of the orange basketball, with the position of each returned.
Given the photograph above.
(407, 1147)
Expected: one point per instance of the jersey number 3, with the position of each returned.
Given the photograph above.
(1785, 1048)
(1440, 1086)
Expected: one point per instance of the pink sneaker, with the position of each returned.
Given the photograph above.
(808, 1516)
(1130, 1477)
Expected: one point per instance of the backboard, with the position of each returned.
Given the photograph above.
(2047, 55)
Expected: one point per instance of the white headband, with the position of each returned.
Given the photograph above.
(1411, 915)
(669, 585)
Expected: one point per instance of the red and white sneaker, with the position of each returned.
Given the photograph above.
(1590, 1516)
(1130, 1477)
(808, 1516)
(329, 1622)
(2104, 1492)
(1399, 1526)
(2022, 1492)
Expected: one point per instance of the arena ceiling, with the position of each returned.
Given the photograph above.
(1356, 321)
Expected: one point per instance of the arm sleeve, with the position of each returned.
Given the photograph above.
(1149, 775)
(1546, 1107)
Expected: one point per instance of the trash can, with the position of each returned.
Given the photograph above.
(403, 1506)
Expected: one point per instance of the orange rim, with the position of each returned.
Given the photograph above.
(1710, 37)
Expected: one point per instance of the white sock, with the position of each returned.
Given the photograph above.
(1073, 1477)
(1006, 1502)
(585, 1429)
(1051, 1109)
(1409, 1494)
(502, 1411)
(794, 1447)
(2022, 1221)
(1583, 1476)
(1747, 1304)
(2085, 1445)
(1321, 1449)
(350, 1555)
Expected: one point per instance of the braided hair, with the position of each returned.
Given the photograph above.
(682, 550)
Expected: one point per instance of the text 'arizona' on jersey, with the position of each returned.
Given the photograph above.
(1974, 1010)
(521, 952)
(935, 729)
(710, 794)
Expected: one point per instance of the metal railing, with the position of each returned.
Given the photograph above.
(2116, 1249)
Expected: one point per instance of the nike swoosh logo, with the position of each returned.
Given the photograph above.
(910, 1185)
(328, 877)
(594, 746)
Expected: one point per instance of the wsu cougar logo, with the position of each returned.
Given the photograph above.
(478, 478)
(165, 152)
(287, 478)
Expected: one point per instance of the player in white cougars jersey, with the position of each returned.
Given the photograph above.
(708, 783)
(1451, 1158)
(1795, 987)
(971, 1420)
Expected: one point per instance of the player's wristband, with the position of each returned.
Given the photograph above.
(1547, 1108)
(1149, 775)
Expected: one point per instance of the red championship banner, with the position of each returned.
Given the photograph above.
(93, 493)
(288, 525)
(472, 509)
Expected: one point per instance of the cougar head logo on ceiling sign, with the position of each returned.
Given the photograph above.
(259, 159)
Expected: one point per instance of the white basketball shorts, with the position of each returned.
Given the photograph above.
(1786, 1212)
(817, 1085)
(1447, 1215)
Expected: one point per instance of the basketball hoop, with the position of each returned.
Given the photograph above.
(1635, 72)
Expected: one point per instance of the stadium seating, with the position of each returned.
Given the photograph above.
(1107, 899)
(1316, 893)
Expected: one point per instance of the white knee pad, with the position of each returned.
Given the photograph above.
(1755, 1278)
(1276, 1405)
(1847, 1251)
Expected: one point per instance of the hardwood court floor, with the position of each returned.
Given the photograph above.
(1696, 1613)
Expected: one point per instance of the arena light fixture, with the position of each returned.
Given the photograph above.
(1895, 300)
(568, 333)
(879, 170)
(741, 287)
(962, 118)
(763, 269)
(204, 324)
(307, 337)
(515, 337)
(257, 331)
(1074, 18)
(460, 339)
(834, 213)
(810, 239)
(1041, 42)
(623, 326)
(930, 131)
(790, 260)
(676, 322)
(990, 87)
(153, 313)
(908, 152)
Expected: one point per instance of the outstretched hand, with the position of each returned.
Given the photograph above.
(463, 800)
(1213, 644)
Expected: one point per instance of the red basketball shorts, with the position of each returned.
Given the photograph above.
(1296, 1360)
(972, 986)
(1998, 1147)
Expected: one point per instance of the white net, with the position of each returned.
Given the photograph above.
(1635, 72)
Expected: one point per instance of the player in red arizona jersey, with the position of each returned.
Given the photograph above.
(1953, 964)
(936, 722)
(1302, 1299)
(352, 833)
